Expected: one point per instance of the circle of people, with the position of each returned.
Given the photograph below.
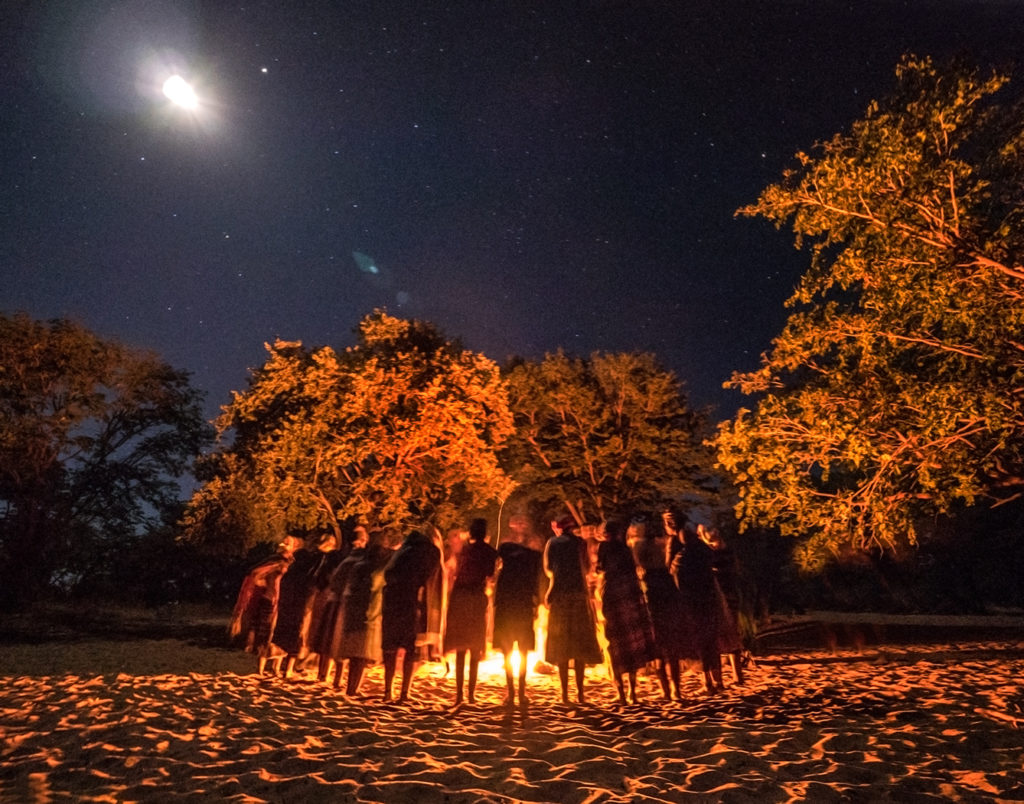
(657, 596)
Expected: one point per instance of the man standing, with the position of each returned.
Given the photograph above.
(404, 613)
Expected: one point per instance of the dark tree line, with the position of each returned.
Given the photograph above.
(94, 439)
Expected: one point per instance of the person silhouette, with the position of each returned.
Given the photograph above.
(572, 636)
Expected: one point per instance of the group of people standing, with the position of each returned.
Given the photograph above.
(655, 596)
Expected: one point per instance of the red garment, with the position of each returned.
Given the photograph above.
(255, 613)
(466, 621)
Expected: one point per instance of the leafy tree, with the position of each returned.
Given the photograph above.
(895, 392)
(605, 435)
(403, 427)
(94, 438)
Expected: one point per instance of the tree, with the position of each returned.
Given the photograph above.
(895, 392)
(93, 442)
(400, 429)
(606, 435)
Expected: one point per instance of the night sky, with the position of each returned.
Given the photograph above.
(527, 175)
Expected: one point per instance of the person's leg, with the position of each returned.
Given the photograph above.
(581, 669)
(666, 691)
(390, 661)
(408, 668)
(339, 667)
(617, 674)
(716, 670)
(563, 679)
(460, 674)
(474, 669)
(510, 695)
(522, 678)
(736, 662)
(632, 686)
(673, 670)
(355, 675)
(712, 663)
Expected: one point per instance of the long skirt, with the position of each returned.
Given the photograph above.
(699, 625)
(466, 625)
(665, 607)
(571, 631)
(262, 628)
(627, 626)
(729, 639)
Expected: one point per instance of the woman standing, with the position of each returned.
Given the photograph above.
(663, 604)
(571, 630)
(255, 612)
(627, 623)
(353, 633)
(405, 606)
(693, 570)
(466, 624)
(360, 641)
(516, 596)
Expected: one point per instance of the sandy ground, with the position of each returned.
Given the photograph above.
(136, 719)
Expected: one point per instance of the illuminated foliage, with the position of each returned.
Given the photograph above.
(607, 435)
(894, 392)
(401, 428)
(93, 440)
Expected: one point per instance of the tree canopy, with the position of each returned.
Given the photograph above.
(605, 435)
(895, 391)
(94, 438)
(402, 428)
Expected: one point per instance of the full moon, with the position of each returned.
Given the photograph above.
(180, 92)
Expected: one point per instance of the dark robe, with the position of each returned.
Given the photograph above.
(627, 623)
(407, 578)
(295, 603)
(693, 570)
(571, 627)
(466, 620)
(726, 573)
(326, 637)
(516, 597)
(663, 600)
(353, 629)
(324, 602)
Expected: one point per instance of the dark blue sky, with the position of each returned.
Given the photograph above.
(526, 175)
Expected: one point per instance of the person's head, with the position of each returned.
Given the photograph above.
(518, 529)
(328, 543)
(478, 530)
(564, 524)
(711, 537)
(615, 530)
(691, 538)
(455, 541)
(290, 543)
(360, 536)
(637, 530)
(671, 519)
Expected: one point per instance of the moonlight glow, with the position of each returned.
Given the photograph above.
(178, 90)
